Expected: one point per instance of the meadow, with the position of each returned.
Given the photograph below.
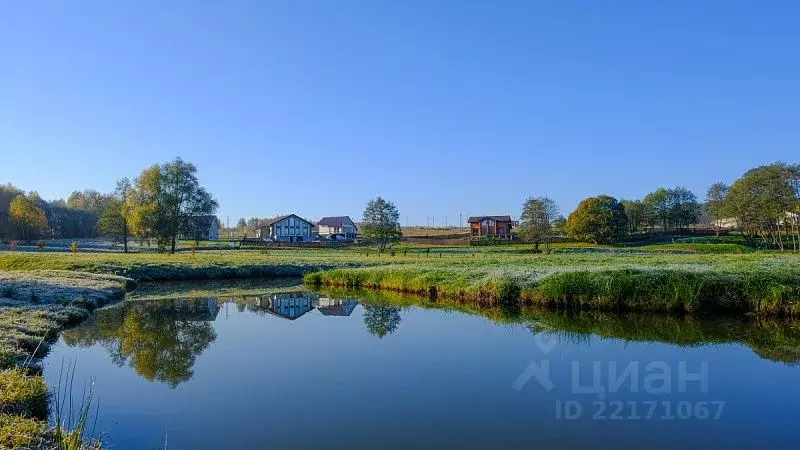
(43, 291)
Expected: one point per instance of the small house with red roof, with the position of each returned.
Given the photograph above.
(491, 226)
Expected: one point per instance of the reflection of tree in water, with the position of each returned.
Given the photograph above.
(159, 339)
(381, 318)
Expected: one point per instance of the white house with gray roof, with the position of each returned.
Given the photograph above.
(339, 227)
(289, 228)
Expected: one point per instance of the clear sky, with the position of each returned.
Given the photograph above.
(444, 107)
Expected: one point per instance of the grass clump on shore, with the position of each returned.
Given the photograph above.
(21, 394)
(22, 432)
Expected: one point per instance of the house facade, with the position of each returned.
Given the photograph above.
(491, 226)
(201, 228)
(291, 228)
(287, 306)
(339, 227)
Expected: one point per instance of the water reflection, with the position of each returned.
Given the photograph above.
(772, 339)
(161, 339)
(381, 318)
(335, 306)
(293, 305)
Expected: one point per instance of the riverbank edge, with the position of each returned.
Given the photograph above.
(34, 307)
(667, 290)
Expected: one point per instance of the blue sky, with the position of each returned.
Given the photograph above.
(444, 107)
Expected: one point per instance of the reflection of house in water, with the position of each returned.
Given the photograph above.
(335, 306)
(197, 310)
(288, 306)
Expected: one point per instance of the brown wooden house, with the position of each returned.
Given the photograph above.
(491, 226)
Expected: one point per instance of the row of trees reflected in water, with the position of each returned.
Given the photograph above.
(162, 339)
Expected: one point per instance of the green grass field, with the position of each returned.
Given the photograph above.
(667, 277)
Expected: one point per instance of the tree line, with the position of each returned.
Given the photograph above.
(764, 204)
(26, 216)
(155, 208)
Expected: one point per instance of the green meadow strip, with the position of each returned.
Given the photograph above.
(664, 289)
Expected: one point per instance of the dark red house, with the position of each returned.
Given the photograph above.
(491, 226)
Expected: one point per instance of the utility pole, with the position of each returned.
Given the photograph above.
(459, 221)
(445, 221)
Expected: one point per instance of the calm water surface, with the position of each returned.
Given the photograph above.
(305, 370)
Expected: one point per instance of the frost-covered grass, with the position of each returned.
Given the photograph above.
(212, 264)
(34, 305)
(61, 287)
(601, 278)
(761, 283)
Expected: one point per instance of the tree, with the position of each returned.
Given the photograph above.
(763, 200)
(537, 219)
(560, 226)
(167, 197)
(657, 205)
(88, 200)
(241, 224)
(381, 222)
(683, 208)
(381, 318)
(675, 208)
(8, 193)
(114, 218)
(600, 220)
(715, 202)
(29, 218)
(637, 214)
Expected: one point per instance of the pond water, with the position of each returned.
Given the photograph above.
(347, 370)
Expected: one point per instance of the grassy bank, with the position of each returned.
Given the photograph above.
(182, 266)
(765, 284)
(34, 306)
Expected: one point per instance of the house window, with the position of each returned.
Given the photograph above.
(501, 231)
(474, 231)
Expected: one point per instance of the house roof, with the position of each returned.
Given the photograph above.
(342, 309)
(475, 219)
(279, 218)
(336, 221)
